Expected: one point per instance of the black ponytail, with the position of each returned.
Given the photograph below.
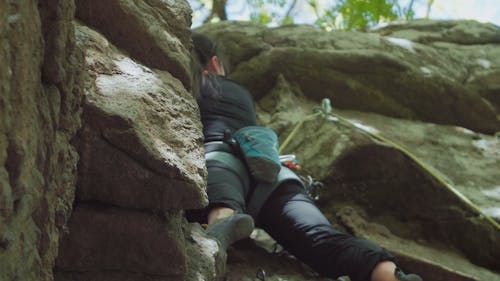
(204, 50)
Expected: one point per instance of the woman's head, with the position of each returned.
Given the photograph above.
(205, 67)
(207, 54)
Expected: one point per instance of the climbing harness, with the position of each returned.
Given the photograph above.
(326, 112)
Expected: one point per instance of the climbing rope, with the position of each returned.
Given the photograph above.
(325, 111)
(296, 129)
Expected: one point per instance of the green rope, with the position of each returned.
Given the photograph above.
(325, 111)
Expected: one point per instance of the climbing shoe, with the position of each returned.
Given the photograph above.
(231, 229)
(401, 276)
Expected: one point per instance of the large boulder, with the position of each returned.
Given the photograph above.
(370, 72)
(106, 239)
(471, 44)
(205, 260)
(154, 32)
(40, 98)
(141, 138)
(141, 164)
(411, 184)
(410, 177)
(462, 32)
(375, 190)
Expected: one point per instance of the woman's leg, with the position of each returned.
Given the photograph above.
(226, 195)
(219, 213)
(224, 214)
(293, 220)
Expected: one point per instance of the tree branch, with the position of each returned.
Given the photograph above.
(429, 4)
(218, 10)
(290, 9)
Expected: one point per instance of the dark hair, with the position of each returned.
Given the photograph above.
(204, 50)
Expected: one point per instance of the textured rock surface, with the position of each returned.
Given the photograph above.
(471, 44)
(107, 239)
(140, 144)
(202, 257)
(141, 160)
(40, 101)
(205, 260)
(367, 174)
(464, 32)
(468, 160)
(152, 31)
(370, 72)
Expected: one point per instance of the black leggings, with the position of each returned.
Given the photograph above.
(294, 221)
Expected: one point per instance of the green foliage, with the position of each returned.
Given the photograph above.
(260, 14)
(340, 15)
(359, 14)
(261, 17)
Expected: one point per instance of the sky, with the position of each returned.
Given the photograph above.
(480, 10)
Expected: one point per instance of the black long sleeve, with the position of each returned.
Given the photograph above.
(229, 107)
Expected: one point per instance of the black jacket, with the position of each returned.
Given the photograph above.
(224, 104)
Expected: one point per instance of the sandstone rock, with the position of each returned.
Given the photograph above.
(397, 192)
(411, 203)
(464, 32)
(153, 32)
(205, 260)
(246, 260)
(474, 45)
(106, 239)
(141, 143)
(467, 160)
(431, 261)
(57, 27)
(367, 72)
(40, 113)
(109, 276)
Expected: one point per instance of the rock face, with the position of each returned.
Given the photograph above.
(153, 32)
(141, 164)
(472, 45)
(136, 150)
(140, 121)
(101, 143)
(370, 163)
(40, 106)
(374, 190)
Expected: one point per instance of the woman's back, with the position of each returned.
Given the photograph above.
(226, 106)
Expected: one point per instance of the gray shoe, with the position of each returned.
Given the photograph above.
(401, 276)
(231, 229)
